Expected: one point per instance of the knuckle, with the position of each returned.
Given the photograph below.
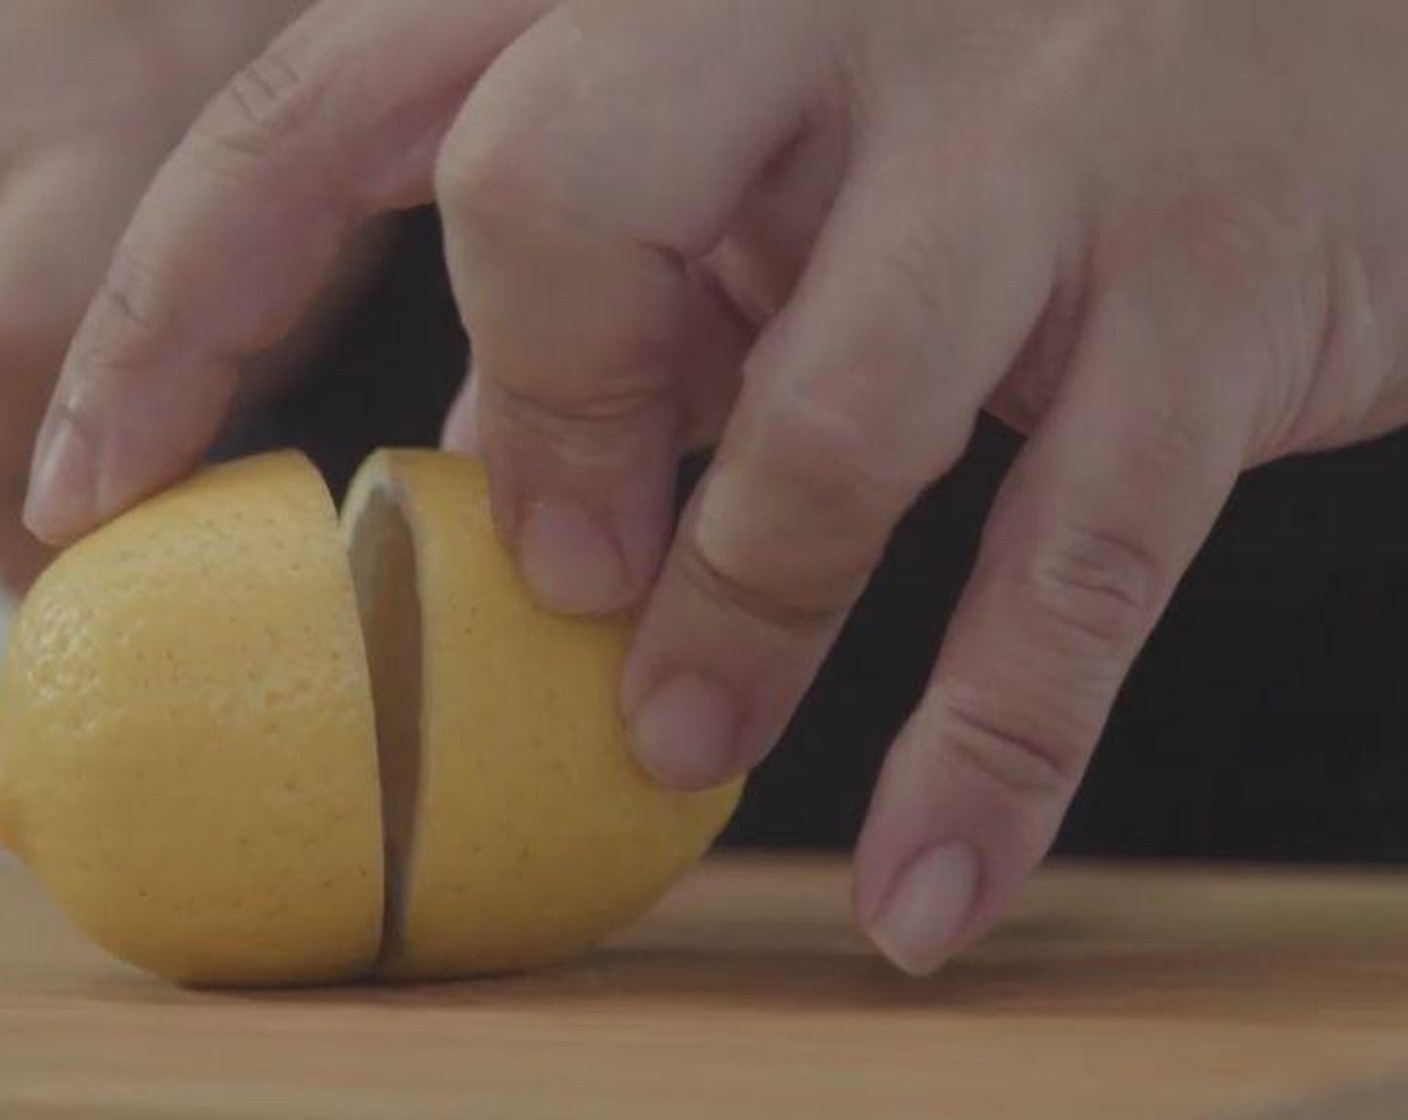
(1239, 253)
(529, 123)
(792, 522)
(129, 290)
(1258, 263)
(268, 104)
(488, 165)
(749, 590)
(825, 452)
(1175, 444)
(122, 297)
(1025, 755)
(127, 323)
(795, 517)
(1223, 239)
(585, 428)
(1096, 590)
(478, 174)
(929, 265)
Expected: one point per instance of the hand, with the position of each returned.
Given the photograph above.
(1168, 240)
(93, 94)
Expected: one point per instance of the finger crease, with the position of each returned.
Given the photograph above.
(789, 616)
(1015, 762)
(120, 299)
(608, 410)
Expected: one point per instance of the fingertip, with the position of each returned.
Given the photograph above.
(61, 502)
(570, 560)
(919, 918)
(685, 731)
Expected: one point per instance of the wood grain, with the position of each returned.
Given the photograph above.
(1160, 994)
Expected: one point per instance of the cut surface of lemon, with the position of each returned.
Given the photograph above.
(521, 829)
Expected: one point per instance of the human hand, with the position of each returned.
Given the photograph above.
(93, 94)
(1169, 240)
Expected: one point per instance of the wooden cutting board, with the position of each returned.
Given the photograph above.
(1157, 994)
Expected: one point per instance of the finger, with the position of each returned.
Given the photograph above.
(1098, 520)
(602, 156)
(240, 229)
(44, 282)
(715, 339)
(862, 392)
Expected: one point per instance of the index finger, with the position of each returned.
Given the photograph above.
(339, 119)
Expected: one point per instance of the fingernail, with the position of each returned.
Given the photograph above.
(59, 504)
(570, 561)
(686, 732)
(921, 918)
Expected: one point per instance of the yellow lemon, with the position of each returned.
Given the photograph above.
(187, 741)
(225, 783)
(521, 830)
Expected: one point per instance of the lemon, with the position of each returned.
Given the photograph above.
(187, 741)
(521, 829)
(242, 751)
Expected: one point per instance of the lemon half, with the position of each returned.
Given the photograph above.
(187, 742)
(521, 830)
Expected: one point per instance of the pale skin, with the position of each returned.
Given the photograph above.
(93, 95)
(1168, 239)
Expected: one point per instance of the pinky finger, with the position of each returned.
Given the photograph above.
(1097, 522)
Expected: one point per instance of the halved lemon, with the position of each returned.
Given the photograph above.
(227, 780)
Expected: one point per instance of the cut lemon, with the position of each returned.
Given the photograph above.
(226, 780)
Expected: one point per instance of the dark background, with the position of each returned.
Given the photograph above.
(1264, 721)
